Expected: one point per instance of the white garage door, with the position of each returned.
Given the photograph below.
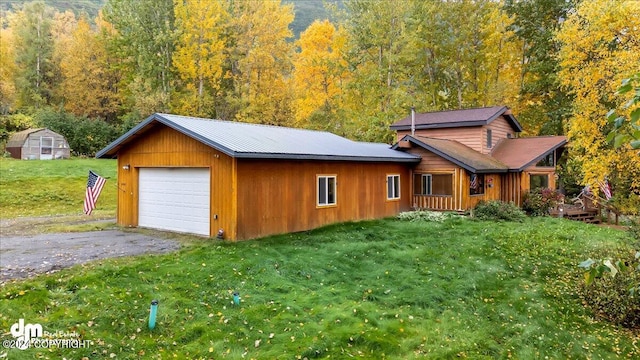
(175, 199)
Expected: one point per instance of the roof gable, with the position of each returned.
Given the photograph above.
(521, 153)
(458, 118)
(244, 140)
(458, 154)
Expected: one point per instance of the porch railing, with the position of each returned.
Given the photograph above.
(433, 202)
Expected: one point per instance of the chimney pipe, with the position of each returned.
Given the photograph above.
(413, 121)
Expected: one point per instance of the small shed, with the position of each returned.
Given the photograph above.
(38, 144)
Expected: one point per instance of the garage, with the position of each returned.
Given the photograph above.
(175, 199)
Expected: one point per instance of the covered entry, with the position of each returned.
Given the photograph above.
(176, 199)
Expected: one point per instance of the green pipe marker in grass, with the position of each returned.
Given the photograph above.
(152, 314)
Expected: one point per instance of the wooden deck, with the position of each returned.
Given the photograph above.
(588, 215)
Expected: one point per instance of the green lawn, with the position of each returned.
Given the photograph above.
(55, 187)
(376, 289)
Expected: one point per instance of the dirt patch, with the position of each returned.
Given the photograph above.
(23, 226)
(26, 256)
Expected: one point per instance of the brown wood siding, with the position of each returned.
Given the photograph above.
(512, 188)
(431, 161)
(470, 136)
(279, 196)
(165, 147)
(499, 127)
(492, 190)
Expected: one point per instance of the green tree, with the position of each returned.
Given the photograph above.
(33, 49)
(380, 87)
(627, 130)
(199, 55)
(144, 40)
(544, 106)
(464, 55)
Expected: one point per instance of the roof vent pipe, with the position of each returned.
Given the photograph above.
(413, 121)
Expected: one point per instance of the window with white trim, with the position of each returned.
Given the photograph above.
(393, 187)
(326, 190)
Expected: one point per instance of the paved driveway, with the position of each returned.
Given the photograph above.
(25, 256)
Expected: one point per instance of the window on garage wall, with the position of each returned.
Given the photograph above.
(326, 190)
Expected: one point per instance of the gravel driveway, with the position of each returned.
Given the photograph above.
(26, 256)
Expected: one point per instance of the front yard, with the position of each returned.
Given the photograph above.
(378, 289)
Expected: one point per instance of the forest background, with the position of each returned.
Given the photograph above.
(92, 69)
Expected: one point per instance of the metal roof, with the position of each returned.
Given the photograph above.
(458, 118)
(255, 141)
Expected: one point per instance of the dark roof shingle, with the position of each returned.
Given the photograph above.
(458, 154)
(458, 118)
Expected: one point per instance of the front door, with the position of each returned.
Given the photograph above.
(46, 148)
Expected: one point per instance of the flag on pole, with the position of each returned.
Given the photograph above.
(94, 188)
(605, 188)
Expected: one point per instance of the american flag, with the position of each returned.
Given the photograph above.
(605, 188)
(94, 188)
(474, 181)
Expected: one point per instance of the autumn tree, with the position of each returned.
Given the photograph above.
(89, 84)
(33, 49)
(260, 61)
(199, 54)
(600, 47)
(319, 75)
(7, 68)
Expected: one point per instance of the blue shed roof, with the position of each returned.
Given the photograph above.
(245, 140)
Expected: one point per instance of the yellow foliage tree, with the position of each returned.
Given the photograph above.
(7, 71)
(320, 70)
(89, 85)
(199, 54)
(600, 47)
(261, 61)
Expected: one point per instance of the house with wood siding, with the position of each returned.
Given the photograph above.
(240, 181)
(474, 155)
(243, 181)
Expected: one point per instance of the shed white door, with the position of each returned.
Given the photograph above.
(175, 199)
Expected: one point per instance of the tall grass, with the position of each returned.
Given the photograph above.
(55, 187)
(378, 289)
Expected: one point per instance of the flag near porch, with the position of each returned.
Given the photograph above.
(605, 188)
(95, 183)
